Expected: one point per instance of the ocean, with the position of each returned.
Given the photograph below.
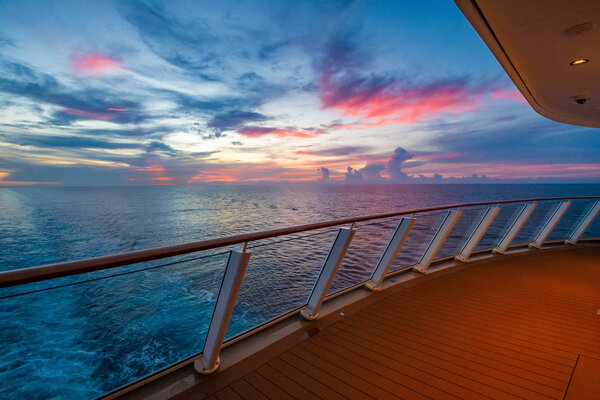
(80, 337)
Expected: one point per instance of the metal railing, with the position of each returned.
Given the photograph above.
(235, 270)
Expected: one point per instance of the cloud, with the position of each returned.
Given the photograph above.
(353, 176)
(324, 174)
(186, 46)
(150, 168)
(257, 131)
(394, 166)
(235, 119)
(93, 103)
(99, 115)
(4, 174)
(6, 42)
(384, 100)
(96, 64)
(508, 93)
(156, 146)
(371, 172)
(70, 142)
(334, 152)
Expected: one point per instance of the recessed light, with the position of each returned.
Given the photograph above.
(579, 62)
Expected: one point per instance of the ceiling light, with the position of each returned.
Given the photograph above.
(579, 62)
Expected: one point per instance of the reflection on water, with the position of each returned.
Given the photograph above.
(83, 340)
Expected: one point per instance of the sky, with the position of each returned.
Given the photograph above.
(196, 92)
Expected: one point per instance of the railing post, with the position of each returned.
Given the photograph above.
(208, 362)
(550, 224)
(328, 271)
(482, 227)
(390, 253)
(514, 229)
(584, 224)
(437, 241)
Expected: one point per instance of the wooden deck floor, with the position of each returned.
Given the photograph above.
(511, 328)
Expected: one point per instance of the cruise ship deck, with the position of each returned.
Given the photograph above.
(518, 326)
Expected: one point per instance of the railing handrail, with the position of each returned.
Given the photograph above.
(58, 270)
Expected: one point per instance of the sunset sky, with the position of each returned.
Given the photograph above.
(189, 92)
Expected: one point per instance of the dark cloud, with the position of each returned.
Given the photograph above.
(6, 42)
(135, 132)
(267, 51)
(235, 119)
(353, 176)
(413, 164)
(90, 144)
(250, 77)
(347, 84)
(71, 142)
(21, 80)
(344, 64)
(222, 110)
(337, 151)
(160, 147)
(324, 174)
(371, 172)
(181, 45)
(394, 166)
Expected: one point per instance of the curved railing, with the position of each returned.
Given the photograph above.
(360, 255)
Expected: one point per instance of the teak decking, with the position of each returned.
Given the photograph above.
(512, 327)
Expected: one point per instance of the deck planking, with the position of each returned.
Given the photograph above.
(513, 327)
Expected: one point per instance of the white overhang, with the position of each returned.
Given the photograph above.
(535, 41)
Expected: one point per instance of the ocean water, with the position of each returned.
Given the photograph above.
(81, 337)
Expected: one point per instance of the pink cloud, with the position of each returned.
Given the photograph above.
(95, 64)
(102, 116)
(150, 168)
(505, 93)
(216, 175)
(98, 115)
(257, 131)
(385, 102)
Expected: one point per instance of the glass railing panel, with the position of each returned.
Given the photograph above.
(536, 221)
(366, 248)
(462, 231)
(279, 278)
(501, 224)
(594, 230)
(417, 241)
(89, 338)
(571, 219)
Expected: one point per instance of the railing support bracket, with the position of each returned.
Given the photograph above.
(515, 227)
(550, 224)
(437, 241)
(482, 227)
(209, 360)
(390, 253)
(584, 224)
(330, 266)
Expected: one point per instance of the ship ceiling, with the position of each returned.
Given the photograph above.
(536, 42)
